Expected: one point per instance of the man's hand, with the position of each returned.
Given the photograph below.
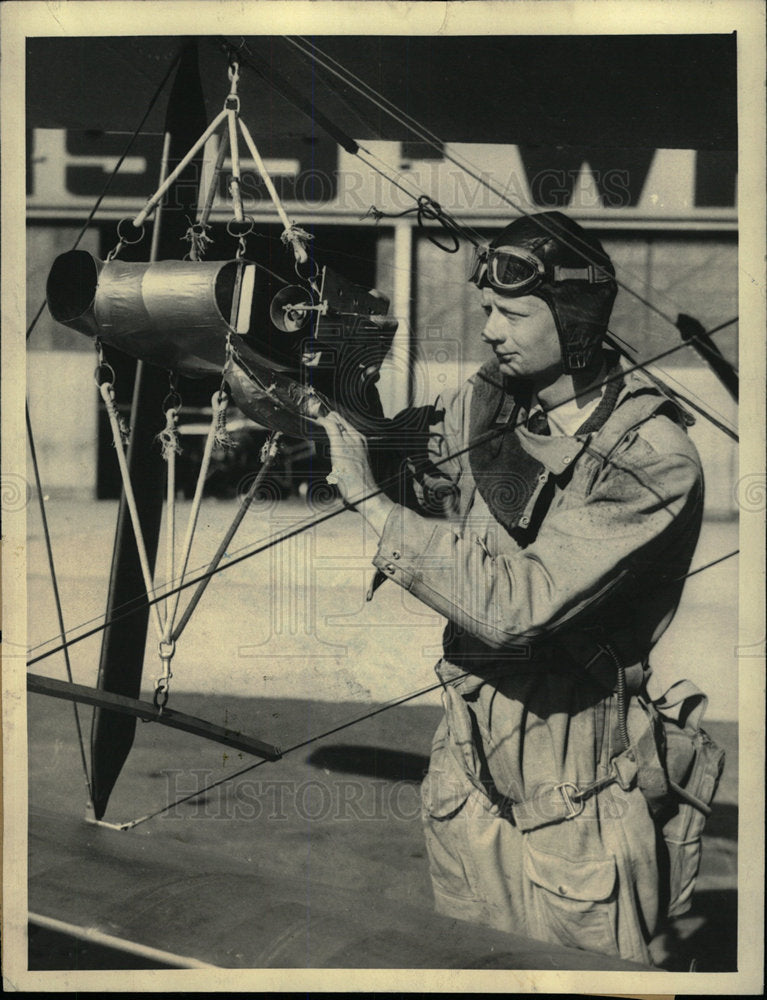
(351, 471)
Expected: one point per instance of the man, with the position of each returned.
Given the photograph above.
(572, 500)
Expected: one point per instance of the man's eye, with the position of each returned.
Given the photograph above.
(486, 310)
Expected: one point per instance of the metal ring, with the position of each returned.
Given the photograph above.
(161, 696)
(308, 277)
(573, 803)
(172, 401)
(166, 650)
(249, 220)
(130, 243)
(106, 367)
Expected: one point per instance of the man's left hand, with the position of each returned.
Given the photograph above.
(351, 471)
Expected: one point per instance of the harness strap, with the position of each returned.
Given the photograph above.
(565, 800)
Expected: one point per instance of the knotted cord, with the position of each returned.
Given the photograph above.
(105, 384)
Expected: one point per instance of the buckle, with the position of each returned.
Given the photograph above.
(573, 808)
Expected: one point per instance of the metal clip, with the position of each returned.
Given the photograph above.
(574, 808)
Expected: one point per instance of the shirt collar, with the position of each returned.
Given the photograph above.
(567, 417)
(557, 451)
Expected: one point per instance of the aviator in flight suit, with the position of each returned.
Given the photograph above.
(558, 562)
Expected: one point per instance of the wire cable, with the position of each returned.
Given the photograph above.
(346, 724)
(310, 49)
(57, 596)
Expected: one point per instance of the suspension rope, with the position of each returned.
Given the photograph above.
(292, 233)
(223, 149)
(350, 145)
(232, 109)
(170, 448)
(216, 404)
(269, 453)
(106, 390)
(57, 597)
(300, 527)
(139, 220)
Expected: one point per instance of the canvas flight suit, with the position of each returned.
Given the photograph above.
(558, 568)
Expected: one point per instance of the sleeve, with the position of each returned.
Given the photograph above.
(638, 506)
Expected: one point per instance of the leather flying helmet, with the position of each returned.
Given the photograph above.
(552, 257)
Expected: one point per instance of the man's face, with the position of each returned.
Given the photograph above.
(523, 335)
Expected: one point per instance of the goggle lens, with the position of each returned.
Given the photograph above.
(512, 272)
(506, 268)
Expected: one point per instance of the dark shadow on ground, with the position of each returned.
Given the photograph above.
(723, 821)
(706, 938)
(373, 762)
(51, 951)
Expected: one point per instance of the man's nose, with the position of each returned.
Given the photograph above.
(494, 332)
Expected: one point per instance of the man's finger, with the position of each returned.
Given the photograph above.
(333, 432)
(347, 428)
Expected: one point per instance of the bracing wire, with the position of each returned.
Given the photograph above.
(311, 50)
(452, 225)
(57, 596)
(346, 724)
(144, 600)
(30, 435)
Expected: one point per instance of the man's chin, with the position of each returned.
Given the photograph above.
(510, 367)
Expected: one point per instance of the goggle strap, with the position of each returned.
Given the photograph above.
(591, 274)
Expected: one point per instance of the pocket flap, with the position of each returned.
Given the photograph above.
(445, 788)
(587, 879)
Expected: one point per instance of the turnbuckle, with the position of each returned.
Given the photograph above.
(232, 102)
(167, 648)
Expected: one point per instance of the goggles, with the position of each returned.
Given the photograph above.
(516, 271)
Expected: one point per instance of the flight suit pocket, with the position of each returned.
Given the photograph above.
(444, 793)
(573, 902)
